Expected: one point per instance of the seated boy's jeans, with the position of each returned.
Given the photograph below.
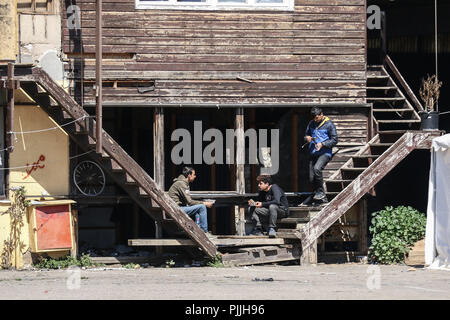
(200, 213)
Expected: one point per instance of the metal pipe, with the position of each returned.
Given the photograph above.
(436, 45)
(10, 108)
(98, 75)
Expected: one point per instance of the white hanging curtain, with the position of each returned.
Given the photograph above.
(437, 237)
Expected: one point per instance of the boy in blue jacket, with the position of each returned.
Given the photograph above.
(322, 137)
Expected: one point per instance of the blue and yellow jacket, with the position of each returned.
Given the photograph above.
(324, 132)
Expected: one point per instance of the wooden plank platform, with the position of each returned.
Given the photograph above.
(229, 241)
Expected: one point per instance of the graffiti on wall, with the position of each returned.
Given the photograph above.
(36, 165)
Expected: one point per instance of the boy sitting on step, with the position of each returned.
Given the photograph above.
(271, 203)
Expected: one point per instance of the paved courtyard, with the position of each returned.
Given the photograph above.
(337, 281)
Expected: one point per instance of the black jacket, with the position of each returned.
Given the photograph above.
(275, 195)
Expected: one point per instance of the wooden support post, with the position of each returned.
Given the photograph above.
(309, 255)
(240, 163)
(294, 150)
(212, 186)
(363, 245)
(135, 143)
(158, 164)
(253, 167)
(232, 209)
(74, 251)
(173, 126)
(98, 75)
(383, 36)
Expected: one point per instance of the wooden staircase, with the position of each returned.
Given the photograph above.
(362, 177)
(397, 124)
(122, 168)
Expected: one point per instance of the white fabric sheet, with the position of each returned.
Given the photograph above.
(437, 237)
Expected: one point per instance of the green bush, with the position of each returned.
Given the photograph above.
(215, 262)
(394, 231)
(65, 262)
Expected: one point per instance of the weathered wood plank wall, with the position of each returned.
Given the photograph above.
(315, 54)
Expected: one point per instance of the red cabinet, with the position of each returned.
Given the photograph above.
(51, 226)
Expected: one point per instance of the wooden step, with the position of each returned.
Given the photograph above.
(382, 88)
(366, 156)
(399, 121)
(376, 76)
(261, 255)
(302, 212)
(386, 99)
(392, 132)
(393, 110)
(338, 181)
(381, 144)
(289, 234)
(353, 169)
(290, 220)
(160, 242)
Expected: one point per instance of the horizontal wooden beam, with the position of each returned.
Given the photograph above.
(161, 242)
(228, 242)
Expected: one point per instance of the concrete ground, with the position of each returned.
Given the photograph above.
(335, 281)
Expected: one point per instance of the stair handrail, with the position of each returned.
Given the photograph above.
(389, 63)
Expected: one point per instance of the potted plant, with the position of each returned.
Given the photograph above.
(429, 92)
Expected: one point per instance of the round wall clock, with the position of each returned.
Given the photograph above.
(89, 178)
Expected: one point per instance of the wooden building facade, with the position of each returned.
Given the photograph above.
(314, 53)
(223, 64)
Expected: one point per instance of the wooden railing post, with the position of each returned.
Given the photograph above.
(158, 164)
(383, 37)
(240, 163)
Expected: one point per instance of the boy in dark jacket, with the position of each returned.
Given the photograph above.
(179, 192)
(271, 202)
(322, 137)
